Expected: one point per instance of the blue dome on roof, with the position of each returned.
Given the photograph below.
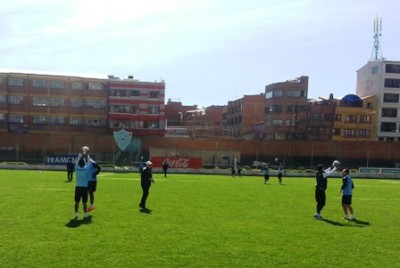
(351, 100)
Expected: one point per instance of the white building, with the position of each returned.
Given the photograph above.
(382, 78)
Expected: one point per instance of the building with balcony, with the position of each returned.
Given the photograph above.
(136, 106)
(382, 78)
(286, 107)
(354, 119)
(38, 102)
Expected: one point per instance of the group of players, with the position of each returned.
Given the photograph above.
(86, 180)
(346, 190)
(87, 170)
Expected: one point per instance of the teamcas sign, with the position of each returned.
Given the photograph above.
(178, 162)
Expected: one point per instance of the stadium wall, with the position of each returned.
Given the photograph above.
(33, 148)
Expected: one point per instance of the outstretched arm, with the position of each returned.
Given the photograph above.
(329, 171)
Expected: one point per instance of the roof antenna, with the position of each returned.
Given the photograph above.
(376, 51)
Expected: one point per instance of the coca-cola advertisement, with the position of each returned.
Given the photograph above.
(178, 162)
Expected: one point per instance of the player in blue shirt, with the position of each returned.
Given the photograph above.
(347, 192)
(93, 169)
(265, 170)
(81, 188)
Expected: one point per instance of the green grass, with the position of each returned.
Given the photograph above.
(196, 221)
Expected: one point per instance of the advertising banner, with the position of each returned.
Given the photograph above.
(178, 162)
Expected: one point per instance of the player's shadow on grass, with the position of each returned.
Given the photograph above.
(74, 223)
(358, 223)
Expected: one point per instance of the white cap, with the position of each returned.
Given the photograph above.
(149, 163)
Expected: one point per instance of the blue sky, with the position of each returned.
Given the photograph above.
(208, 52)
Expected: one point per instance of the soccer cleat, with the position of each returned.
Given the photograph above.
(317, 216)
(91, 208)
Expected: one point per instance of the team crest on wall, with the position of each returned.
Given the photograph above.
(122, 138)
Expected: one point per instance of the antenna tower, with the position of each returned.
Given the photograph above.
(376, 51)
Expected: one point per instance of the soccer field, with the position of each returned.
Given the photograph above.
(196, 221)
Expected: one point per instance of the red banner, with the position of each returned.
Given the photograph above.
(178, 162)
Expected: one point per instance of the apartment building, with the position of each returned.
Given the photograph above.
(38, 102)
(354, 119)
(321, 115)
(242, 114)
(382, 78)
(286, 106)
(136, 106)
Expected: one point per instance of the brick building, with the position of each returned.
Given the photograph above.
(137, 106)
(286, 110)
(38, 102)
(242, 114)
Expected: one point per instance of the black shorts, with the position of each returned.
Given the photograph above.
(92, 186)
(81, 193)
(346, 199)
(266, 177)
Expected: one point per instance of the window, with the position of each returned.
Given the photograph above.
(135, 109)
(393, 68)
(337, 117)
(77, 85)
(18, 82)
(76, 103)
(314, 116)
(96, 104)
(39, 101)
(134, 93)
(365, 119)
(1, 80)
(39, 119)
(57, 102)
(393, 83)
(375, 70)
(388, 127)
(364, 133)
(2, 117)
(39, 83)
(277, 123)
(12, 118)
(15, 99)
(336, 131)
(351, 118)
(2, 99)
(154, 94)
(56, 84)
(95, 122)
(95, 86)
(328, 117)
(278, 93)
(76, 121)
(153, 110)
(56, 120)
(293, 93)
(391, 98)
(349, 133)
(277, 108)
(389, 112)
(152, 124)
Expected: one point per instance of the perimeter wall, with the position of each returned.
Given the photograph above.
(33, 148)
